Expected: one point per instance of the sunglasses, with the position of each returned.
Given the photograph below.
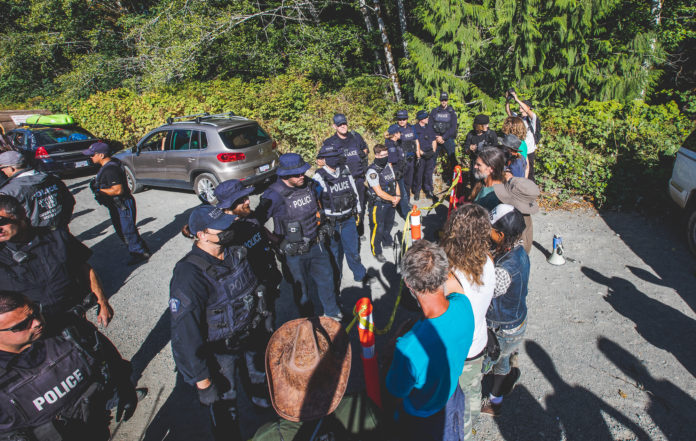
(24, 324)
(6, 221)
(295, 176)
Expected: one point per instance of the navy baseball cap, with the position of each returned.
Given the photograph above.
(393, 129)
(328, 150)
(207, 216)
(291, 164)
(97, 147)
(422, 114)
(402, 114)
(228, 192)
(444, 96)
(340, 119)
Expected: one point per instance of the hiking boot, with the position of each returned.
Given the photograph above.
(416, 196)
(137, 258)
(490, 409)
(510, 381)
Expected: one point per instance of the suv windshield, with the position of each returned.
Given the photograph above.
(241, 137)
(56, 135)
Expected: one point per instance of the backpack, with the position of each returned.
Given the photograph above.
(536, 131)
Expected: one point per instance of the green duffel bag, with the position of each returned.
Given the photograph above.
(60, 119)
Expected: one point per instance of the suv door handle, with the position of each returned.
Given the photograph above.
(160, 159)
(191, 159)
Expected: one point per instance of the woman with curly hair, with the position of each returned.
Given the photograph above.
(466, 243)
(514, 125)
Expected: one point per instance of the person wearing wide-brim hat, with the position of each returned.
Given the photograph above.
(293, 204)
(217, 320)
(522, 194)
(233, 198)
(516, 164)
(308, 363)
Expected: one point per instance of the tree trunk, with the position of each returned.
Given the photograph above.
(393, 76)
(370, 29)
(402, 22)
(656, 12)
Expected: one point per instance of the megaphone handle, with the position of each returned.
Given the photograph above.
(559, 247)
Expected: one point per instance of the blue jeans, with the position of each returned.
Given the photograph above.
(405, 201)
(445, 425)
(315, 264)
(345, 240)
(509, 340)
(124, 224)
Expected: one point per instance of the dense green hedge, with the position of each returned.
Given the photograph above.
(610, 152)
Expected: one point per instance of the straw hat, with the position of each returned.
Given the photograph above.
(307, 365)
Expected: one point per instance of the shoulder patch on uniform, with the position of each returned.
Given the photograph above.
(373, 175)
(174, 305)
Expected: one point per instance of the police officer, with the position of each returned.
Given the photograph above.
(339, 199)
(410, 147)
(397, 158)
(217, 320)
(384, 196)
(58, 384)
(293, 204)
(48, 266)
(354, 149)
(111, 190)
(443, 120)
(233, 199)
(426, 156)
(46, 199)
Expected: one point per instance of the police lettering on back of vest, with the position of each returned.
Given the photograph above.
(408, 140)
(340, 196)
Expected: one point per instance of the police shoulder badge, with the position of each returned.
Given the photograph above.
(373, 175)
(174, 305)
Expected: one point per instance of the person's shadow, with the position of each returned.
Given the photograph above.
(579, 411)
(670, 408)
(660, 324)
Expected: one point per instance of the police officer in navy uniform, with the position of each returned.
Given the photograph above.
(384, 196)
(217, 320)
(292, 202)
(49, 266)
(443, 120)
(408, 141)
(233, 199)
(110, 189)
(426, 156)
(46, 199)
(339, 200)
(397, 158)
(58, 383)
(354, 149)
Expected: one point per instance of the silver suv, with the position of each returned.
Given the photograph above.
(200, 151)
(682, 186)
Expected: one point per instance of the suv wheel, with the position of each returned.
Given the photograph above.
(204, 186)
(132, 183)
(691, 230)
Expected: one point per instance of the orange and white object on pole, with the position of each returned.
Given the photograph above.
(415, 224)
(369, 356)
(454, 194)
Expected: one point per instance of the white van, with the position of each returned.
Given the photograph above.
(682, 186)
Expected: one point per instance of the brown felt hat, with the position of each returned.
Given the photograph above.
(308, 365)
(521, 193)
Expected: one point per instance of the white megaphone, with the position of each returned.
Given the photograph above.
(556, 257)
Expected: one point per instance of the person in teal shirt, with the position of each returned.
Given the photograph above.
(429, 358)
(489, 169)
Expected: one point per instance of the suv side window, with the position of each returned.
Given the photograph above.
(690, 142)
(242, 137)
(181, 139)
(203, 141)
(155, 142)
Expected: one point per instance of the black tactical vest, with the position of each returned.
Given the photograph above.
(442, 120)
(387, 181)
(301, 206)
(350, 148)
(339, 196)
(408, 140)
(231, 309)
(63, 387)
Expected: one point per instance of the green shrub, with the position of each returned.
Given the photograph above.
(610, 152)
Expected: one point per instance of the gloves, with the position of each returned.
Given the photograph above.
(127, 402)
(209, 395)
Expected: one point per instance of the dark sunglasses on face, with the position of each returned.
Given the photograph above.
(296, 176)
(6, 221)
(24, 324)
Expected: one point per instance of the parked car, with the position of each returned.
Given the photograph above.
(54, 149)
(200, 151)
(682, 186)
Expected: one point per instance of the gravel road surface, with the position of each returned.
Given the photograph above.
(609, 350)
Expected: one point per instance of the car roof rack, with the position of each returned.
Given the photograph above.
(200, 117)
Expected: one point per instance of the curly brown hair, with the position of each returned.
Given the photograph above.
(515, 125)
(465, 240)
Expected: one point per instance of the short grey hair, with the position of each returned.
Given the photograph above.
(425, 267)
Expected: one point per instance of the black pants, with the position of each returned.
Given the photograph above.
(530, 160)
(381, 222)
